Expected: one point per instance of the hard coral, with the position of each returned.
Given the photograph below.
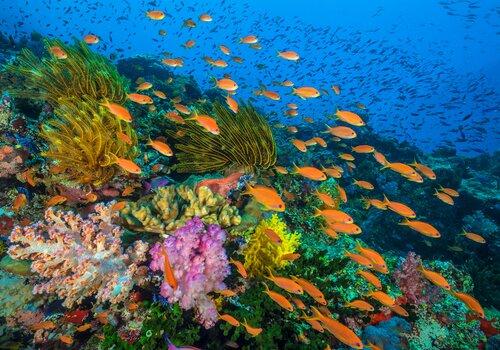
(83, 73)
(261, 253)
(200, 264)
(82, 140)
(245, 143)
(11, 161)
(172, 206)
(79, 257)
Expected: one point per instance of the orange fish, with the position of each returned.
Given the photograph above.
(58, 52)
(449, 191)
(342, 132)
(311, 289)
(310, 173)
(156, 15)
(338, 330)
(369, 202)
(380, 158)
(285, 283)
(118, 206)
(207, 122)
(19, 202)
(225, 50)
(350, 229)
(128, 165)
(280, 169)
(173, 62)
(144, 86)
(127, 191)
(251, 330)
(273, 236)
(370, 278)
(119, 111)
(401, 168)
(443, 197)
(382, 297)
(471, 303)
(249, 39)
(314, 323)
(228, 293)
(55, 200)
(45, 325)
(332, 172)
(320, 141)
(232, 104)
(360, 305)
(330, 232)
(422, 227)
(168, 272)
(299, 303)
(84, 327)
(326, 199)
(300, 145)
(230, 319)
(374, 256)
(363, 184)
(189, 44)
(239, 267)
(205, 17)
(342, 194)
(66, 339)
(267, 196)
(278, 298)
(161, 147)
(160, 94)
(290, 256)
(175, 117)
(91, 39)
(360, 259)
(474, 237)
(306, 92)
(226, 84)
(346, 156)
(269, 94)
(292, 129)
(363, 149)
(435, 278)
(349, 118)
(425, 170)
(336, 89)
(289, 55)
(400, 208)
(334, 215)
(140, 99)
(399, 310)
(124, 137)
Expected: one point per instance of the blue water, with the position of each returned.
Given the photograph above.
(428, 71)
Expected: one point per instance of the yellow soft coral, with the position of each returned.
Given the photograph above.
(262, 254)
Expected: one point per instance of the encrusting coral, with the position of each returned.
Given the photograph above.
(199, 262)
(262, 254)
(83, 73)
(172, 206)
(245, 143)
(82, 141)
(79, 257)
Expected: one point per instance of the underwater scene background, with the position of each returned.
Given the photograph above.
(249, 174)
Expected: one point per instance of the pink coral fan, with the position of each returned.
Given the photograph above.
(200, 264)
(410, 281)
(223, 185)
(80, 257)
(11, 161)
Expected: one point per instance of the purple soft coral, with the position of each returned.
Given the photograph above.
(200, 264)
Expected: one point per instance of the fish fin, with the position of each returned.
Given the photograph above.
(386, 200)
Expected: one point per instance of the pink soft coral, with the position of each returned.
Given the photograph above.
(223, 185)
(79, 257)
(415, 288)
(200, 264)
(11, 161)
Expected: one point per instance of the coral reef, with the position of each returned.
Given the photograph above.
(11, 161)
(82, 141)
(83, 73)
(170, 207)
(245, 143)
(15, 294)
(387, 335)
(199, 264)
(79, 257)
(262, 254)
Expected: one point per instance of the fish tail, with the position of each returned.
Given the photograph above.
(386, 200)
(248, 189)
(366, 202)
(404, 222)
(317, 212)
(267, 287)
